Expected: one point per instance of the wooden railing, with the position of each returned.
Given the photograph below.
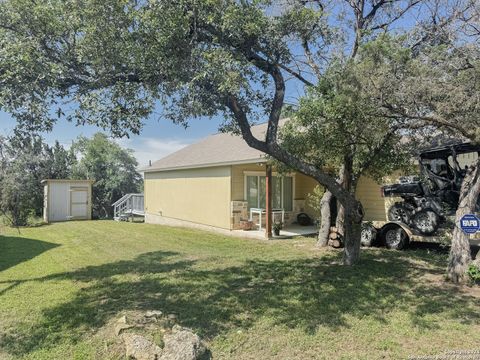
(128, 205)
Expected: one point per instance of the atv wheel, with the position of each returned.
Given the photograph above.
(395, 238)
(399, 212)
(426, 221)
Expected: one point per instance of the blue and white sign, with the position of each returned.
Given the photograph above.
(470, 224)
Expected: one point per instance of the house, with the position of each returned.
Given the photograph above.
(220, 181)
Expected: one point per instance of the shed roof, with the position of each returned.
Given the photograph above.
(67, 181)
(214, 150)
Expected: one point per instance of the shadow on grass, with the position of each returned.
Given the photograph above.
(302, 294)
(15, 250)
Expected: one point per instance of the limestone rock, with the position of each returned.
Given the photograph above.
(172, 317)
(153, 314)
(139, 348)
(120, 327)
(182, 344)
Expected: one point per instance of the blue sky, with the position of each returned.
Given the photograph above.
(158, 138)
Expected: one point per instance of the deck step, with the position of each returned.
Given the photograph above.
(128, 206)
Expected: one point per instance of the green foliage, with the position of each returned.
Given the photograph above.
(473, 273)
(24, 163)
(338, 119)
(114, 59)
(112, 167)
(313, 200)
(428, 91)
(277, 226)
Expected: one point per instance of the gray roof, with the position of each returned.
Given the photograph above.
(215, 150)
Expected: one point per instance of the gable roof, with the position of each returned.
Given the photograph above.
(214, 150)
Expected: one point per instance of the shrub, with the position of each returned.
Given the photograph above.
(473, 273)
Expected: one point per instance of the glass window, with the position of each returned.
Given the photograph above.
(252, 191)
(288, 193)
(276, 192)
(263, 192)
(282, 192)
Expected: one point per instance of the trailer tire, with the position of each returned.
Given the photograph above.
(395, 237)
(369, 235)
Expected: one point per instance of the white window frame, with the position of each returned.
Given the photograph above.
(259, 174)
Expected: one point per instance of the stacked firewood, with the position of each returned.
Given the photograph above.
(335, 238)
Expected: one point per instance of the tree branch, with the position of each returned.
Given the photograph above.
(277, 105)
(296, 75)
(277, 152)
(432, 119)
(242, 121)
(310, 59)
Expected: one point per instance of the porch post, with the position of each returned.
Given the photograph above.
(268, 207)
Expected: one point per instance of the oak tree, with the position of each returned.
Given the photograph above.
(115, 60)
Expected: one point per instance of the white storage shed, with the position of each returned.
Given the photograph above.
(67, 200)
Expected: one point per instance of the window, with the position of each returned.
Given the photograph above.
(282, 192)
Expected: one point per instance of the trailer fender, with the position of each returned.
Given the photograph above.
(400, 239)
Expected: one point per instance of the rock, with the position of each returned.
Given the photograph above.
(139, 348)
(182, 344)
(120, 327)
(153, 314)
(172, 317)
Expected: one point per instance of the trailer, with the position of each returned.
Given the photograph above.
(397, 235)
(426, 211)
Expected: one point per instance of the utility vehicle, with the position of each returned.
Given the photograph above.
(428, 199)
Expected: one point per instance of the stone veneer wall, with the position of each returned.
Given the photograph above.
(239, 212)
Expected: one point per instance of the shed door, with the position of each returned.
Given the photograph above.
(78, 203)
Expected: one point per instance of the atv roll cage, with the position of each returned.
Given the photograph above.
(440, 165)
(428, 199)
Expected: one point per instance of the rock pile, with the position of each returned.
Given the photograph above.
(179, 343)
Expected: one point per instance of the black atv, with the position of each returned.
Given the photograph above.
(430, 198)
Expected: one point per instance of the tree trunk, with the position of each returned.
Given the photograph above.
(350, 216)
(351, 239)
(340, 221)
(326, 218)
(345, 180)
(460, 255)
(340, 218)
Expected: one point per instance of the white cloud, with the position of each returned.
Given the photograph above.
(152, 149)
(145, 149)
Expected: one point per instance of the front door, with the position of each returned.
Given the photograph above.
(79, 203)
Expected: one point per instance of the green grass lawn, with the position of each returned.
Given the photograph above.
(62, 284)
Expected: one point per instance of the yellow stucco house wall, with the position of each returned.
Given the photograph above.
(204, 185)
(215, 196)
(197, 195)
(211, 196)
